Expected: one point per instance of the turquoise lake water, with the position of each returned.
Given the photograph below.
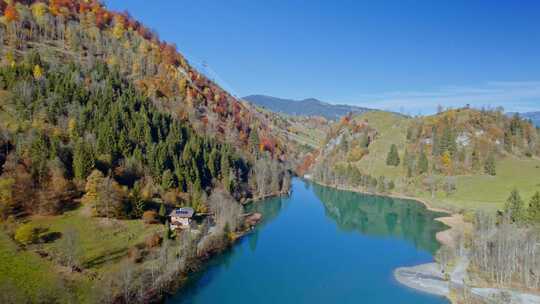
(322, 245)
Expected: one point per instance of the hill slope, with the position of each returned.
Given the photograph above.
(463, 159)
(306, 107)
(104, 129)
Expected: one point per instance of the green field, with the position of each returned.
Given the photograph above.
(392, 129)
(24, 275)
(101, 240)
(473, 191)
(490, 192)
(103, 244)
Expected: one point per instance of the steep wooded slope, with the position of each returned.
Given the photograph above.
(104, 129)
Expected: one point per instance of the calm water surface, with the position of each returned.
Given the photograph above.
(322, 245)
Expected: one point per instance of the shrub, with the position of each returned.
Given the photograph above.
(150, 217)
(135, 254)
(357, 154)
(153, 241)
(27, 234)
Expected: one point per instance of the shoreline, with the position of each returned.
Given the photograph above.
(199, 261)
(453, 220)
(427, 277)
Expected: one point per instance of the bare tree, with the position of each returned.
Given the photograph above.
(127, 277)
(226, 210)
(70, 248)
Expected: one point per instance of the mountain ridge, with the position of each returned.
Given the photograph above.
(533, 116)
(305, 107)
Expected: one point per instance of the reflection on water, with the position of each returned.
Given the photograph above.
(381, 216)
(321, 245)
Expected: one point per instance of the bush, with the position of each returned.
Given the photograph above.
(357, 154)
(153, 241)
(27, 234)
(150, 217)
(135, 254)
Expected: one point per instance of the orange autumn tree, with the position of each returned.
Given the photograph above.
(10, 13)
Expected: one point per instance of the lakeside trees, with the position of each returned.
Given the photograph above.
(97, 110)
(534, 208)
(514, 207)
(503, 248)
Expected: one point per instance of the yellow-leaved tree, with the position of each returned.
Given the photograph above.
(93, 184)
(38, 72)
(39, 9)
(446, 161)
(119, 28)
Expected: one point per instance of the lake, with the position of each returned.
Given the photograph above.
(322, 245)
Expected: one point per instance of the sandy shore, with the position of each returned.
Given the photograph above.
(426, 277)
(429, 278)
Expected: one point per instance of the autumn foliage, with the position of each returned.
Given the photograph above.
(11, 14)
(174, 78)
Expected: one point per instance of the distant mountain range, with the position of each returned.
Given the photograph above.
(306, 107)
(533, 116)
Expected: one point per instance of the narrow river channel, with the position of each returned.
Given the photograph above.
(322, 245)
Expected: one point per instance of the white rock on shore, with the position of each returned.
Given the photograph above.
(429, 278)
(426, 277)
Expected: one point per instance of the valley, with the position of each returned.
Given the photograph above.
(127, 175)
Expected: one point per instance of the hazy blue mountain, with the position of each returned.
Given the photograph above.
(306, 107)
(534, 116)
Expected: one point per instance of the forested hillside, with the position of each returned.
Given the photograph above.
(435, 156)
(481, 165)
(104, 129)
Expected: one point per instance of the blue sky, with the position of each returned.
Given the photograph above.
(410, 55)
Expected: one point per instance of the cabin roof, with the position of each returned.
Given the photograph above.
(186, 212)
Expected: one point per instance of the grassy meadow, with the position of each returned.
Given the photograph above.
(103, 244)
(476, 191)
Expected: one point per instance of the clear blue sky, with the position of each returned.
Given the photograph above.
(387, 54)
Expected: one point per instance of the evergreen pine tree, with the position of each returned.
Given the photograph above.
(507, 141)
(406, 159)
(423, 163)
(167, 231)
(393, 157)
(254, 141)
(213, 164)
(436, 148)
(39, 151)
(83, 160)
(167, 180)
(225, 164)
(475, 159)
(534, 209)
(448, 142)
(514, 206)
(162, 211)
(490, 166)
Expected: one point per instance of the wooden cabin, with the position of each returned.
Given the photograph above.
(180, 218)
